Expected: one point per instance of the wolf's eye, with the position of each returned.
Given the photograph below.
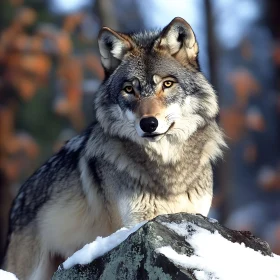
(129, 89)
(168, 84)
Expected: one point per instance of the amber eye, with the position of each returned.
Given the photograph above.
(167, 84)
(129, 89)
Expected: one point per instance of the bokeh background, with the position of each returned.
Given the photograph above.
(50, 69)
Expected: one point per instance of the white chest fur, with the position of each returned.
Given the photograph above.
(146, 206)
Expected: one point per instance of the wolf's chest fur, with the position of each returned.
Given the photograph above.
(138, 184)
(145, 205)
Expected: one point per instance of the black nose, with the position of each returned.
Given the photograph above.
(149, 124)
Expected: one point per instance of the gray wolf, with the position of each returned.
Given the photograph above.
(149, 152)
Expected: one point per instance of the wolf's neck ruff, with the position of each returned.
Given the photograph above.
(183, 164)
(137, 183)
(173, 171)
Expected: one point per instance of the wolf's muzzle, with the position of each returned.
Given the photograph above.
(149, 124)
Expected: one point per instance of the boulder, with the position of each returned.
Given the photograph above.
(178, 246)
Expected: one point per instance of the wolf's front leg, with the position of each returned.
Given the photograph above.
(26, 257)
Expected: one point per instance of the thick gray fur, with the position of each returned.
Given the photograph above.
(114, 174)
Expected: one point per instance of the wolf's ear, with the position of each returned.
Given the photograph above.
(179, 40)
(112, 46)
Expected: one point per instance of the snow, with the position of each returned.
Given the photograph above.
(4, 275)
(99, 247)
(217, 258)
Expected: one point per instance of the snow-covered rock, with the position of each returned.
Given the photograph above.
(177, 246)
(99, 247)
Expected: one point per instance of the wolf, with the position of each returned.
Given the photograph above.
(149, 152)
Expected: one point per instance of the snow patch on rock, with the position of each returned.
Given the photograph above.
(4, 275)
(99, 247)
(216, 258)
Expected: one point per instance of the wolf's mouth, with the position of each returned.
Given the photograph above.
(157, 136)
(147, 135)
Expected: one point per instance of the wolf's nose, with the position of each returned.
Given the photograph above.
(149, 124)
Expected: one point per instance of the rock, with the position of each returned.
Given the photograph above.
(140, 256)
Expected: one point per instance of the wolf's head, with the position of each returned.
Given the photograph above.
(153, 89)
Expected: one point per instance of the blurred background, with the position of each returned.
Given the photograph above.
(50, 69)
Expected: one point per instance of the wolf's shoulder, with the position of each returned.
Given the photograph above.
(52, 176)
